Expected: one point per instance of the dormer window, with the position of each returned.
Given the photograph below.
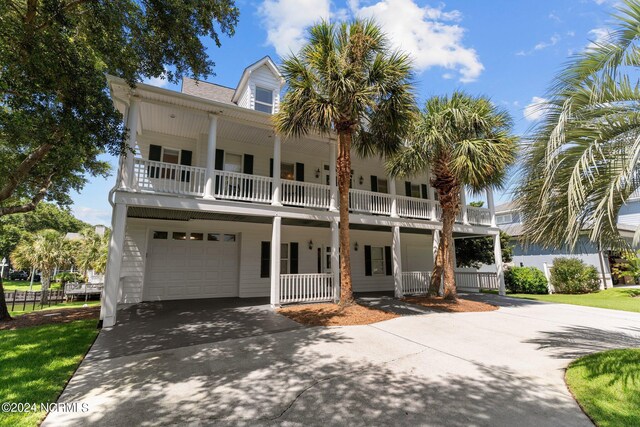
(264, 100)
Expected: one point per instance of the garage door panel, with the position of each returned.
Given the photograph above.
(191, 269)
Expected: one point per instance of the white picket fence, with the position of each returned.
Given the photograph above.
(314, 287)
(417, 282)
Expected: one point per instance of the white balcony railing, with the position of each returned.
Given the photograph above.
(159, 177)
(415, 282)
(305, 194)
(478, 216)
(314, 287)
(169, 178)
(369, 202)
(240, 186)
(411, 207)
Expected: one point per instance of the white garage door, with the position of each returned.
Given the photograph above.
(191, 265)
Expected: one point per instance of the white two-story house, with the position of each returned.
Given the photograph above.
(213, 204)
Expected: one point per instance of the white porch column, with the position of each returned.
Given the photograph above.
(431, 193)
(397, 262)
(114, 262)
(209, 188)
(463, 206)
(333, 184)
(275, 261)
(335, 258)
(436, 243)
(394, 198)
(132, 125)
(277, 191)
(492, 206)
(497, 253)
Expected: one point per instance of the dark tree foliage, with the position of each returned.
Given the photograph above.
(56, 116)
(478, 251)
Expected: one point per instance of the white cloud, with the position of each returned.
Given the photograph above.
(598, 36)
(555, 17)
(534, 110)
(92, 215)
(430, 35)
(552, 42)
(286, 21)
(160, 81)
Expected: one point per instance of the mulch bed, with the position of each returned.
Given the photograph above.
(460, 306)
(46, 317)
(334, 315)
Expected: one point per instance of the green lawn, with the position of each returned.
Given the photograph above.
(616, 299)
(607, 386)
(22, 285)
(36, 363)
(18, 308)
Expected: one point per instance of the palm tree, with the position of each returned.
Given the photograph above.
(90, 251)
(347, 80)
(581, 161)
(467, 143)
(46, 251)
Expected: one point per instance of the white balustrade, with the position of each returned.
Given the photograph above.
(369, 202)
(240, 186)
(476, 280)
(415, 282)
(412, 207)
(305, 194)
(313, 287)
(478, 216)
(160, 177)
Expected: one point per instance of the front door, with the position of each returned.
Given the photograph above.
(326, 259)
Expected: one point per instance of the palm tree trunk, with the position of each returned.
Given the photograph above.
(436, 275)
(448, 219)
(4, 310)
(45, 280)
(343, 166)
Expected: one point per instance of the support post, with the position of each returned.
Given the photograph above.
(114, 263)
(497, 253)
(335, 258)
(209, 188)
(492, 206)
(463, 206)
(431, 193)
(275, 261)
(394, 198)
(397, 262)
(277, 190)
(333, 183)
(127, 174)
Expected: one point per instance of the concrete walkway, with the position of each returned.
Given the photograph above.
(498, 368)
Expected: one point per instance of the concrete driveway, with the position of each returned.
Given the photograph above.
(496, 369)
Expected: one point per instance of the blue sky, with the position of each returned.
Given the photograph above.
(508, 50)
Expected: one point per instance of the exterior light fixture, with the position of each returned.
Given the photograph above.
(318, 173)
(310, 244)
(361, 180)
(355, 247)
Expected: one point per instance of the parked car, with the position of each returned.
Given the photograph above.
(18, 275)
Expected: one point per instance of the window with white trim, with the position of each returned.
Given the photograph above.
(383, 186)
(287, 171)
(377, 260)
(264, 100)
(284, 258)
(505, 218)
(415, 190)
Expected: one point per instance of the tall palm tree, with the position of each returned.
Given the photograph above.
(467, 143)
(581, 163)
(347, 80)
(46, 251)
(90, 251)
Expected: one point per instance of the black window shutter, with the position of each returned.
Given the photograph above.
(155, 152)
(265, 259)
(185, 160)
(293, 260)
(271, 168)
(319, 260)
(300, 172)
(374, 183)
(407, 188)
(219, 159)
(367, 260)
(247, 167)
(425, 191)
(387, 261)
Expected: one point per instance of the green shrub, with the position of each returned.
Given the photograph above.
(573, 276)
(525, 280)
(67, 277)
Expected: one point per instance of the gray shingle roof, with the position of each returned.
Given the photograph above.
(207, 90)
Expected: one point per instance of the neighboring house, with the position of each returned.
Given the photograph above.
(214, 204)
(508, 219)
